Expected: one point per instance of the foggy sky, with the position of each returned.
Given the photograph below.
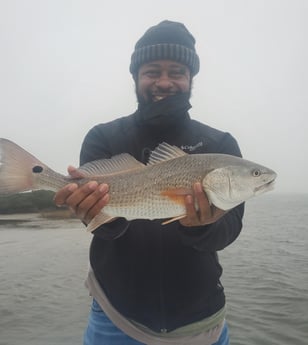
(64, 68)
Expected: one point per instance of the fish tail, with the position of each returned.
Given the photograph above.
(19, 170)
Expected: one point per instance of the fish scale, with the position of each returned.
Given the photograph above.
(132, 195)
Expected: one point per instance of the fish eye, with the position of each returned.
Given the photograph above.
(256, 172)
(37, 169)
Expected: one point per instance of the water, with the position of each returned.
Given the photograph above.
(266, 273)
(43, 264)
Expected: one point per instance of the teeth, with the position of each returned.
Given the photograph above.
(158, 98)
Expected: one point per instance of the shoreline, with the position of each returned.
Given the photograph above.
(47, 214)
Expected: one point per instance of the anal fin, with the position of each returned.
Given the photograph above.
(100, 219)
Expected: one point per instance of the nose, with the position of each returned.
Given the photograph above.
(163, 82)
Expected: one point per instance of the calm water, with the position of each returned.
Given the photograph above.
(43, 263)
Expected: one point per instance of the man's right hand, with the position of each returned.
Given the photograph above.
(85, 201)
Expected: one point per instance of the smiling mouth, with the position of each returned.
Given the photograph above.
(157, 98)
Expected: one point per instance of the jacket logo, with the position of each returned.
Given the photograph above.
(191, 148)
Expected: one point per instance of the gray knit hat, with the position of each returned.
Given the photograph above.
(166, 41)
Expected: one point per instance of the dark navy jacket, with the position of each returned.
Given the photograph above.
(162, 276)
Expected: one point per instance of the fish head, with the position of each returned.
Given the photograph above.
(230, 185)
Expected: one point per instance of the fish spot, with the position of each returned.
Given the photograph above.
(37, 169)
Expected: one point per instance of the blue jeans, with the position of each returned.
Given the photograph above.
(101, 331)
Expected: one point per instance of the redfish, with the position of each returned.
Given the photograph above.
(153, 191)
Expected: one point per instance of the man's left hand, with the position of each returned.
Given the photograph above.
(198, 209)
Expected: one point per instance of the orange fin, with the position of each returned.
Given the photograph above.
(173, 219)
(177, 195)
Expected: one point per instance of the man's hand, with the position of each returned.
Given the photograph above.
(85, 201)
(203, 213)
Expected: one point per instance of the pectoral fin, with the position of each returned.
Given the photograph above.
(177, 195)
(174, 219)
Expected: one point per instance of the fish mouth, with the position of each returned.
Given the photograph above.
(266, 187)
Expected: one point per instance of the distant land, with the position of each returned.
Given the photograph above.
(29, 202)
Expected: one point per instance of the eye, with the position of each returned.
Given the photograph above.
(175, 74)
(37, 169)
(256, 172)
(152, 73)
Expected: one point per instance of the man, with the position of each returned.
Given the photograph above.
(153, 283)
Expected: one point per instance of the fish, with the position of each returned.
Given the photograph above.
(155, 190)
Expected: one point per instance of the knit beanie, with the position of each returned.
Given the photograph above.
(166, 41)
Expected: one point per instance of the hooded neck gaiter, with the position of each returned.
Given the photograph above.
(164, 114)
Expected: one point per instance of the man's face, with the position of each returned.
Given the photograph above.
(161, 78)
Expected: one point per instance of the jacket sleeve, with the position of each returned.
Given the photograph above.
(95, 147)
(217, 236)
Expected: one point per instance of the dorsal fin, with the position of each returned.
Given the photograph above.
(115, 164)
(165, 152)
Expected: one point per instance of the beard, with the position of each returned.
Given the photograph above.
(166, 113)
(148, 99)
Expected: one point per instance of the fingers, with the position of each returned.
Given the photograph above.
(198, 209)
(88, 200)
(74, 172)
(204, 209)
(190, 206)
(64, 193)
(85, 201)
